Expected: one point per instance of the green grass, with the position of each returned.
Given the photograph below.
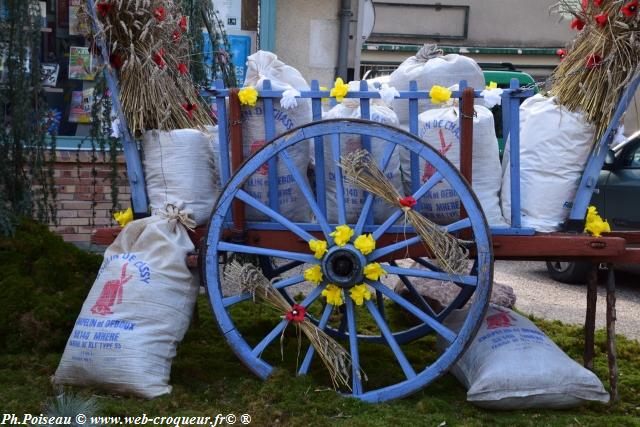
(208, 378)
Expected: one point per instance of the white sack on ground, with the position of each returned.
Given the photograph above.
(429, 67)
(354, 196)
(179, 165)
(511, 364)
(263, 66)
(554, 147)
(137, 311)
(440, 128)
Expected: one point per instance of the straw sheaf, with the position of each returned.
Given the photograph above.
(335, 358)
(596, 90)
(152, 96)
(451, 252)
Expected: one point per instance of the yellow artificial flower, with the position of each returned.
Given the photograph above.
(439, 94)
(339, 89)
(333, 295)
(360, 293)
(248, 96)
(365, 243)
(324, 100)
(595, 224)
(373, 271)
(124, 217)
(342, 235)
(492, 85)
(319, 248)
(313, 274)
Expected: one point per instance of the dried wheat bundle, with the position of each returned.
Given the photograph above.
(602, 60)
(149, 48)
(361, 170)
(336, 359)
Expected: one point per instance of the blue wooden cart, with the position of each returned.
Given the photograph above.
(279, 238)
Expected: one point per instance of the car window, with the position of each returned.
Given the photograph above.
(632, 159)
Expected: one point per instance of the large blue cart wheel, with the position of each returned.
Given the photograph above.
(358, 327)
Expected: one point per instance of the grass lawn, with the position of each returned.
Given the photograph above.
(208, 379)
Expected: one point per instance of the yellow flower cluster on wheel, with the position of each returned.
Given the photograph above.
(342, 236)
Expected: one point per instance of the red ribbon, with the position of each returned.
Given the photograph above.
(408, 202)
(296, 314)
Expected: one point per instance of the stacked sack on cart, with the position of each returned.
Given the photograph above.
(549, 135)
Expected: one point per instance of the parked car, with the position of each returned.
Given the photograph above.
(617, 198)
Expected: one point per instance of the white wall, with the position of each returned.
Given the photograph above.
(307, 37)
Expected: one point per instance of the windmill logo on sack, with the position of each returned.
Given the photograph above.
(429, 170)
(111, 294)
(501, 319)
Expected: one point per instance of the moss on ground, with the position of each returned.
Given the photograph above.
(49, 280)
(43, 282)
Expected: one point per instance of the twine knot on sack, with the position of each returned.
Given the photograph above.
(428, 51)
(175, 213)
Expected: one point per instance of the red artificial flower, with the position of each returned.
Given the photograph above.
(160, 14)
(408, 202)
(176, 36)
(577, 24)
(183, 68)
(593, 60)
(183, 23)
(296, 314)
(602, 20)
(189, 108)
(630, 9)
(104, 8)
(561, 53)
(158, 58)
(116, 61)
(597, 2)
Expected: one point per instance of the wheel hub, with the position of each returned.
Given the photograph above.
(343, 266)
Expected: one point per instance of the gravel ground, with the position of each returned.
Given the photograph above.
(537, 294)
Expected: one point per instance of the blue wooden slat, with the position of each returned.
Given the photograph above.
(322, 324)
(257, 225)
(365, 215)
(223, 135)
(596, 159)
(269, 134)
(417, 296)
(281, 284)
(258, 349)
(337, 170)
(506, 110)
(414, 272)
(318, 148)
(268, 339)
(514, 156)
(458, 225)
(135, 173)
(276, 216)
(295, 256)
(394, 247)
(428, 185)
(393, 344)
(353, 347)
(308, 195)
(442, 330)
(414, 160)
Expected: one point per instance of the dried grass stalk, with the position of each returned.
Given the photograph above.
(595, 87)
(451, 252)
(335, 358)
(147, 43)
